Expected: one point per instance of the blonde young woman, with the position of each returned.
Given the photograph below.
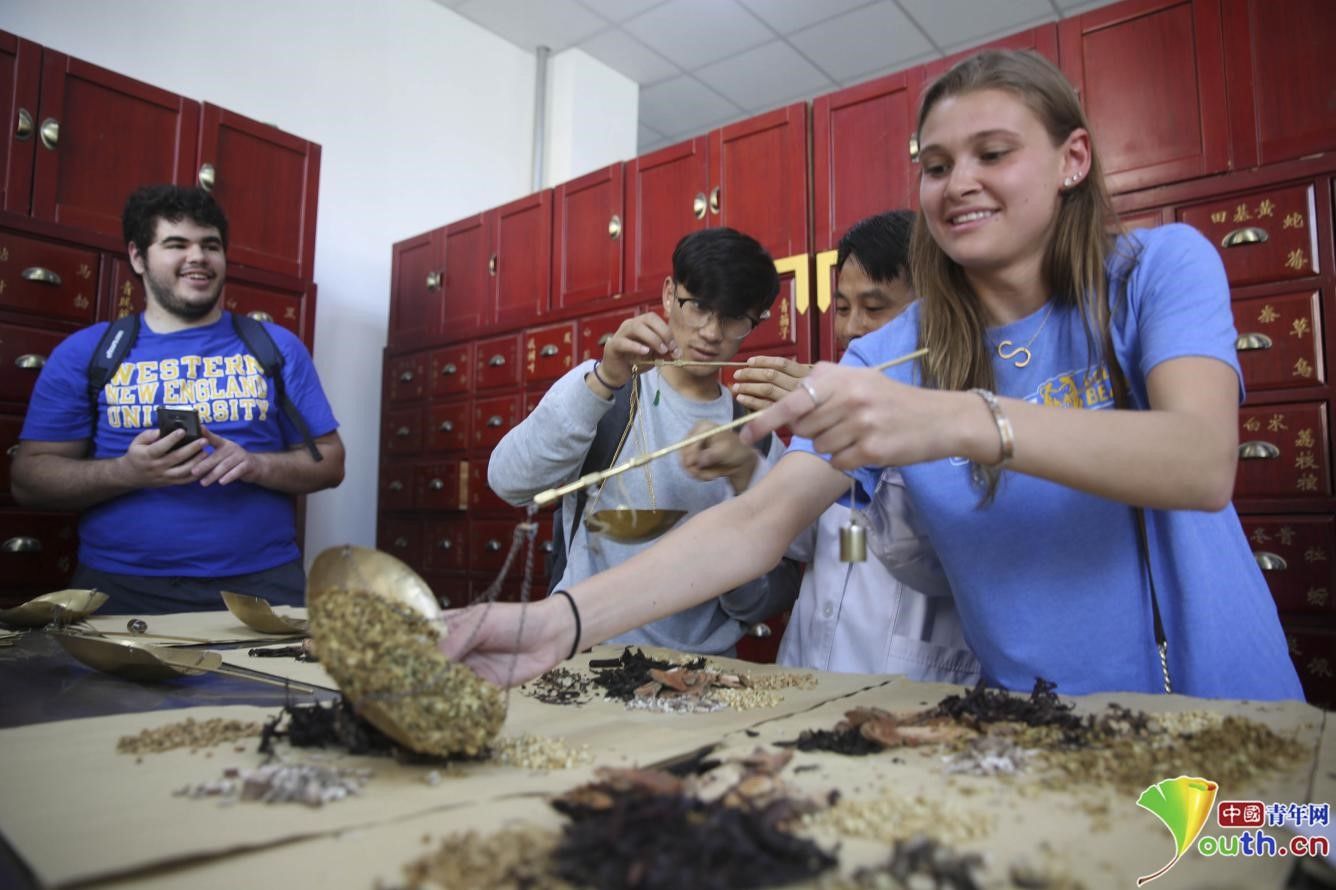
(1117, 391)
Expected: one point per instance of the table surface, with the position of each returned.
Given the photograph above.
(40, 684)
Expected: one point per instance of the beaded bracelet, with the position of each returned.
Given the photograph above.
(575, 644)
(1004, 430)
(606, 385)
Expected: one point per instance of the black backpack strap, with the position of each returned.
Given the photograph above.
(107, 357)
(601, 453)
(261, 345)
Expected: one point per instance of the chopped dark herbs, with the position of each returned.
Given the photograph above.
(560, 686)
(619, 678)
(335, 725)
(862, 731)
(338, 726)
(920, 857)
(645, 830)
(838, 741)
(982, 705)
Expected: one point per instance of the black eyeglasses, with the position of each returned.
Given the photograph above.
(696, 315)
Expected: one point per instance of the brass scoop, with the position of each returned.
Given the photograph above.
(256, 613)
(543, 498)
(60, 607)
(629, 524)
(376, 625)
(140, 661)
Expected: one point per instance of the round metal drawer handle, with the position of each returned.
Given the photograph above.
(548, 351)
(497, 361)
(208, 177)
(400, 543)
(494, 421)
(406, 377)
(1246, 235)
(22, 545)
(396, 485)
(30, 361)
(261, 315)
(447, 426)
(403, 432)
(41, 276)
(433, 281)
(546, 547)
(1270, 562)
(449, 369)
(493, 545)
(436, 485)
(445, 544)
(1258, 451)
(1251, 342)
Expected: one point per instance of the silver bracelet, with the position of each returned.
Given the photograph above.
(1004, 430)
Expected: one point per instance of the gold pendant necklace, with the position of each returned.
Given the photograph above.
(1020, 355)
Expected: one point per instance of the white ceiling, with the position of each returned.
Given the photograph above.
(704, 63)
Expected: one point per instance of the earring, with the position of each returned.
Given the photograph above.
(1067, 183)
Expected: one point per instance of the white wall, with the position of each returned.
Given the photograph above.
(592, 112)
(422, 117)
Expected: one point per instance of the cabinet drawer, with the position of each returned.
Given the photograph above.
(481, 497)
(549, 352)
(1266, 236)
(497, 362)
(531, 399)
(442, 486)
(1283, 451)
(1314, 655)
(1280, 340)
(597, 330)
(1295, 554)
(492, 418)
(448, 426)
(23, 352)
(451, 370)
(489, 542)
(37, 548)
(448, 545)
(401, 432)
(48, 279)
(405, 378)
(396, 486)
(402, 538)
(10, 427)
(451, 589)
(265, 304)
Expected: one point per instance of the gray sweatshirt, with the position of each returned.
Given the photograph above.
(548, 448)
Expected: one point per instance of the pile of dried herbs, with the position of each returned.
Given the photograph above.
(651, 830)
(335, 725)
(560, 686)
(862, 731)
(620, 677)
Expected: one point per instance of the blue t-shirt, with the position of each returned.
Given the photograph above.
(185, 530)
(1049, 580)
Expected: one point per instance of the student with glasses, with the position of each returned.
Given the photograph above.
(722, 287)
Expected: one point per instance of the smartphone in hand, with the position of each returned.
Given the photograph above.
(172, 419)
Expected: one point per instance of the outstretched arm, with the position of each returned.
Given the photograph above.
(717, 550)
(1180, 454)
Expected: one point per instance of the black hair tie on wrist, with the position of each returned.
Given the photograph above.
(610, 388)
(575, 644)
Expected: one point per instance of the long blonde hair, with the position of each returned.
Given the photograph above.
(952, 324)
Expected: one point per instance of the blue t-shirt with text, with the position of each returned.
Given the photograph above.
(186, 530)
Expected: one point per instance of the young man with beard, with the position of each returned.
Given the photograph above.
(169, 521)
(722, 286)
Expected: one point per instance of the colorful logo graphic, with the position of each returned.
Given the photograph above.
(1183, 805)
